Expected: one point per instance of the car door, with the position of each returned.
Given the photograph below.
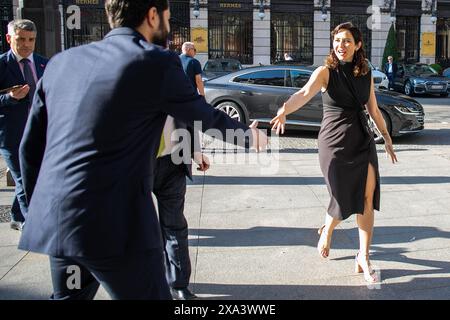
(312, 112)
(264, 93)
(399, 80)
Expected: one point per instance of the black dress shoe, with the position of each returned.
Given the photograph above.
(182, 294)
(16, 225)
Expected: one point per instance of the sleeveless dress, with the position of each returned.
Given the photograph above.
(345, 150)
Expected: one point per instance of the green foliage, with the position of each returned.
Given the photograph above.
(390, 49)
(437, 67)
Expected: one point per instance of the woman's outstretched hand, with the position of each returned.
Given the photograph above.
(390, 149)
(279, 121)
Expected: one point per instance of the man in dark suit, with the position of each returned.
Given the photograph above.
(88, 155)
(22, 68)
(390, 68)
(171, 170)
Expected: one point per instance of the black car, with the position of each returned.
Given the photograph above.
(420, 78)
(257, 93)
(219, 67)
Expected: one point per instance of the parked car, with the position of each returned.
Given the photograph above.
(380, 79)
(446, 73)
(219, 67)
(256, 94)
(420, 78)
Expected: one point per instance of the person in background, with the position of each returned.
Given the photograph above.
(20, 67)
(390, 69)
(192, 66)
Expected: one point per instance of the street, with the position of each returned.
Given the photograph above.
(253, 235)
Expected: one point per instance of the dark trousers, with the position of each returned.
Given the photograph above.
(170, 189)
(390, 77)
(137, 276)
(19, 205)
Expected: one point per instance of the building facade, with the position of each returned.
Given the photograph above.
(263, 31)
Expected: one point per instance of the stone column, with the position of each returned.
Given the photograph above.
(200, 23)
(261, 35)
(426, 26)
(321, 33)
(380, 31)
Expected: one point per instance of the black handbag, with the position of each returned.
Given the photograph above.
(362, 114)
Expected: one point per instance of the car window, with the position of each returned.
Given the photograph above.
(212, 66)
(446, 73)
(421, 70)
(268, 78)
(299, 78)
(242, 78)
(219, 66)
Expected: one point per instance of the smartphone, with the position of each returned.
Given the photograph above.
(11, 88)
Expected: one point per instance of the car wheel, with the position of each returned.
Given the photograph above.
(409, 90)
(232, 110)
(378, 137)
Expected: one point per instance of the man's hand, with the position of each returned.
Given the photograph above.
(20, 93)
(202, 160)
(260, 139)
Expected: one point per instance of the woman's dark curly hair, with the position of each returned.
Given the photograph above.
(361, 66)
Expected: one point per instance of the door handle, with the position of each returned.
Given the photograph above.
(248, 93)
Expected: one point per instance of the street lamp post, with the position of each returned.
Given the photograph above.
(323, 8)
(261, 13)
(196, 11)
(433, 12)
(392, 17)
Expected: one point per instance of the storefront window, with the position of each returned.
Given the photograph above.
(408, 31)
(230, 30)
(292, 37)
(443, 42)
(179, 24)
(94, 24)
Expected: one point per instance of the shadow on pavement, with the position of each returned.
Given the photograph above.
(17, 293)
(303, 181)
(434, 137)
(414, 289)
(283, 236)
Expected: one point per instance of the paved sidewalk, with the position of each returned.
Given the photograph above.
(253, 235)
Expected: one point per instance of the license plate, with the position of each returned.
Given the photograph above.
(435, 87)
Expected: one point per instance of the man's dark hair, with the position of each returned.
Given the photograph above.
(131, 13)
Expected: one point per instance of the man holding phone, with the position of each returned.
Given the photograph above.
(20, 69)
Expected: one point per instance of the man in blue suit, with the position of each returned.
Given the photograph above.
(89, 150)
(20, 67)
(390, 69)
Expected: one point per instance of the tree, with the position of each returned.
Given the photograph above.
(390, 48)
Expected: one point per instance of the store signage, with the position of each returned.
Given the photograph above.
(428, 44)
(89, 2)
(230, 5)
(200, 37)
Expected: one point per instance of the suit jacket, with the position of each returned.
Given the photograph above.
(394, 68)
(14, 113)
(90, 144)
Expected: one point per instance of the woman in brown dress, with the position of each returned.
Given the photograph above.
(347, 152)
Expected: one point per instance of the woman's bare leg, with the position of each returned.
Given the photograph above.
(366, 221)
(326, 234)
